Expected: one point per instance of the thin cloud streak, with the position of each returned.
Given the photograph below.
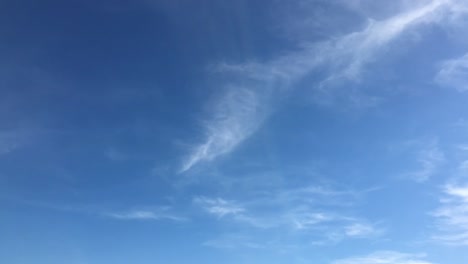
(142, 213)
(145, 215)
(385, 257)
(241, 111)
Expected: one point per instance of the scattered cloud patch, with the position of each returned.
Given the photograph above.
(361, 230)
(454, 73)
(294, 211)
(305, 220)
(219, 207)
(452, 215)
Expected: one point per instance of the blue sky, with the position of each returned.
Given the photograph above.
(302, 131)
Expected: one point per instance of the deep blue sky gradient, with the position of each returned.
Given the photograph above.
(354, 159)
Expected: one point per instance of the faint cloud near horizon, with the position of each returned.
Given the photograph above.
(385, 257)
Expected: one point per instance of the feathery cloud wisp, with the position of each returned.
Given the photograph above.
(241, 112)
(235, 118)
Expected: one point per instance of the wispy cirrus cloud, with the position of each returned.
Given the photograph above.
(454, 73)
(385, 257)
(294, 211)
(235, 117)
(452, 215)
(345, 56)
(243, 109)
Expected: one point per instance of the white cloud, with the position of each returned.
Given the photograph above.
(361, 230)
(385, 257)
(305, 220)
(452, 215)
(459, 192)
(158, 214)
(241, 112)
(219, 207)
(454, 73)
